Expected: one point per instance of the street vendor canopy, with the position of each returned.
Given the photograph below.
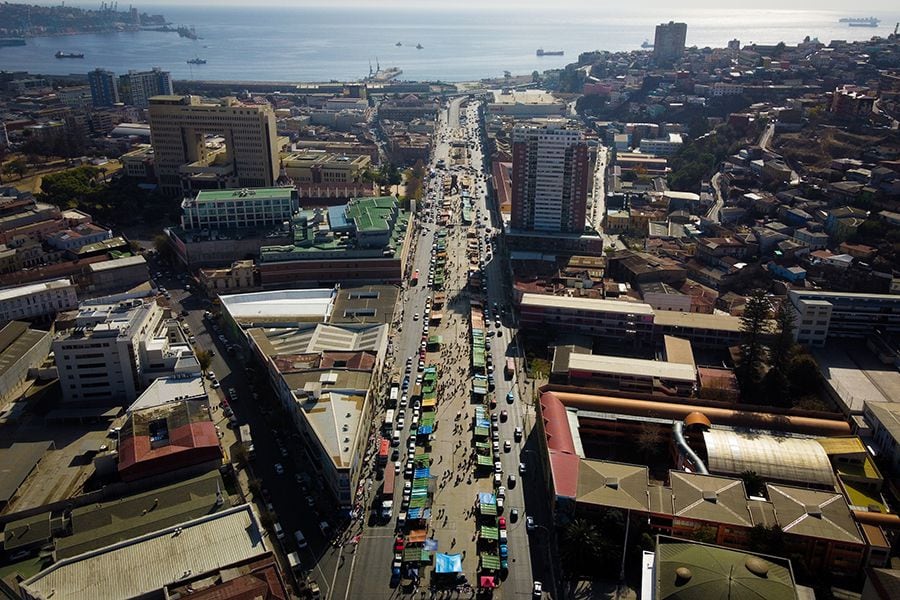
(487, 582)
(448, 563)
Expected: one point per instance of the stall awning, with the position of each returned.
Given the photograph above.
(490, 562)
(482, 432)
(417, 536)
(448, 563)
(485, 461)
(415, 555)
(489, 510)
(487, 582)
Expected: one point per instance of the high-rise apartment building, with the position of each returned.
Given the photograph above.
(104, 88)
(238, 209)
(550, 177)
(139, 86)
(246, 158)
(669, 42)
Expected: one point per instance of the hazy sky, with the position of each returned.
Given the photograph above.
(655, 8)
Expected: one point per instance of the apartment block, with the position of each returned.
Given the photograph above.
(179, 128)
(669, 41)
(37, 300)
(822, 315)
(625, 320)
(104, 88)
(550, 177)
(139, 86)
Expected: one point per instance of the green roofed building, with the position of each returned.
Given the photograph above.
(687, 570)
(364, 240)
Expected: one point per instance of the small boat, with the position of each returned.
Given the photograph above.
(61, 54)
(399, 44)
(646, 45)
(419, 46)
(542, 52)
(197, 61)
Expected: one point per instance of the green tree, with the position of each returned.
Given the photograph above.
(753, 483)
(767, 540)
(783, 344)
(17, 167)
(649, 440)
(580, 547)
(804, 375)
(204, 358)
(752, 353)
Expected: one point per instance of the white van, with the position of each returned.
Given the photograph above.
(294, 562)
(301, 541)
(279, 532)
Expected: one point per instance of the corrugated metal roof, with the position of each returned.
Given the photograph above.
(145, 564)
(780, 458)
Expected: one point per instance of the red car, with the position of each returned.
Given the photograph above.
(399, 545)
(502, 522)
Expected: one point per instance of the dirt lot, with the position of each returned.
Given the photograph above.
(816, 147)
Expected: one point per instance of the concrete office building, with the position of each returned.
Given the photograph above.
(549, 177)
(669, 42)
(178, 129)
(313, 166)
(37, 300)
(104, 88)
(139, 86)
(238, 209)
(115, 346)
(821, 315)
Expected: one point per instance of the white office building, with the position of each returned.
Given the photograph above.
(116, 346)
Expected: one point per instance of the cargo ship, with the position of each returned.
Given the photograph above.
(861, 21)
(61, 54)
(8, 41)
(542, 52)
(646, 45)
(197, 61)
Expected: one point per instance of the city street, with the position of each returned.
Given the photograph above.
(366, 573)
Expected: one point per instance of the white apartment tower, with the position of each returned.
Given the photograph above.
(549, 177)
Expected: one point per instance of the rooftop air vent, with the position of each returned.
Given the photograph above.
(612, 482)
(757, 566)
(682, 575)
(814, 510)
(710, 496)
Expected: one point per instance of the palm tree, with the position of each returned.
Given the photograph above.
(580, 546)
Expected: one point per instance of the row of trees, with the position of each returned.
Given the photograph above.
(772, 368)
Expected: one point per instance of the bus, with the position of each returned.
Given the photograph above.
(387, 495)
(384, 449)
(388, 420)
(394, 395)
(247, 441)
(510, 368)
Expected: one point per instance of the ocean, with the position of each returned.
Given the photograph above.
(319, 44)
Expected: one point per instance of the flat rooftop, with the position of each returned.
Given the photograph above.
(279, 193)
(587, 304)
(33, 288)
(670, 318)
(117, 263)
(171, 389)
(16, 463)
(300, 305)
(632, 367)
(120, 570)
(16, 340)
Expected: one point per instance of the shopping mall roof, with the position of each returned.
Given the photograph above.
(687, 570)
(814, 513)
(613, 484)
(120, 570)
(773, 457)
(710, 498)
